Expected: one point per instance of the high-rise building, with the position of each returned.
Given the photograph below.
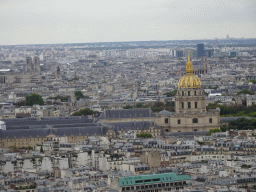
(200, 50)
(209, 52)
(179, 53)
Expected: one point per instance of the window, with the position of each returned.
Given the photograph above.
(182, 105)
(166, 130)
(166, 120)
(210, 120)
(155, 179)
(188, 93)
(195, 104)
(189, 105)
(195, 93)
(195, 129)
(182, 93)
(195, 120)
(178, 121)
(139, 181)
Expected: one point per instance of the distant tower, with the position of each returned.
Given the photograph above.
(28, 64)
(36, 64)
(200, 50)
(58, 70)
(53, 68)
(32, 65)
(205, 65)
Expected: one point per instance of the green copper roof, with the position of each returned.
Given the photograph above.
(153, 178)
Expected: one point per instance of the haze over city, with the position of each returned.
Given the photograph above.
(79, 21)
(127, 96)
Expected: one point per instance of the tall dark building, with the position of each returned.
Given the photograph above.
(200, 50)
(179, 53)
(209, 52)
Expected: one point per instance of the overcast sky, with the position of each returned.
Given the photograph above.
(81, 21)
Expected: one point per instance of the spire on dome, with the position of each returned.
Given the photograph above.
(189, 65)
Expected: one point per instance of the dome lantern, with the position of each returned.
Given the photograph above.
(189, 80)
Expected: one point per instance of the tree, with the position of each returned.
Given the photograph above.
(78, 95)
(139, 105)
(244, 91)
(30, 148)
(85, 111)
(252, 81)
(171, 94)
(144, 135)
(127, 107)
(41, 149)
(213, 131)
(34, 99)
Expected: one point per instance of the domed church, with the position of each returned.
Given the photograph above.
(190, 108)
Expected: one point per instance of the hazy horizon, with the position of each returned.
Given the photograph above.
(64, 22)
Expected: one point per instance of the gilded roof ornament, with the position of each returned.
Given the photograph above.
(189, 65)
(189, 80)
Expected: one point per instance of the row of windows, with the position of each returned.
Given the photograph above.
(189, 105)
(159, 185)
(189, 93)
(194, 120)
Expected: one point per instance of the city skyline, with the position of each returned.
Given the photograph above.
(47, 22)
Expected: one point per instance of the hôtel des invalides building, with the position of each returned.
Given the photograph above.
(190, 116)
(190, 107)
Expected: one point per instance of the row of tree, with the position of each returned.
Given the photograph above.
(85, 111)
(34, 99)
(156, 107)
(234, 111)
(144, 135)
(245, 91)
(240, 124)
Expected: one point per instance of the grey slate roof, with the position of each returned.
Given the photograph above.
(27, 122)
(127, 113)
(75, 131)
(132, 125)
(227, 119)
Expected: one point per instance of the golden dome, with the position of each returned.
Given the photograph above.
(189, 80)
